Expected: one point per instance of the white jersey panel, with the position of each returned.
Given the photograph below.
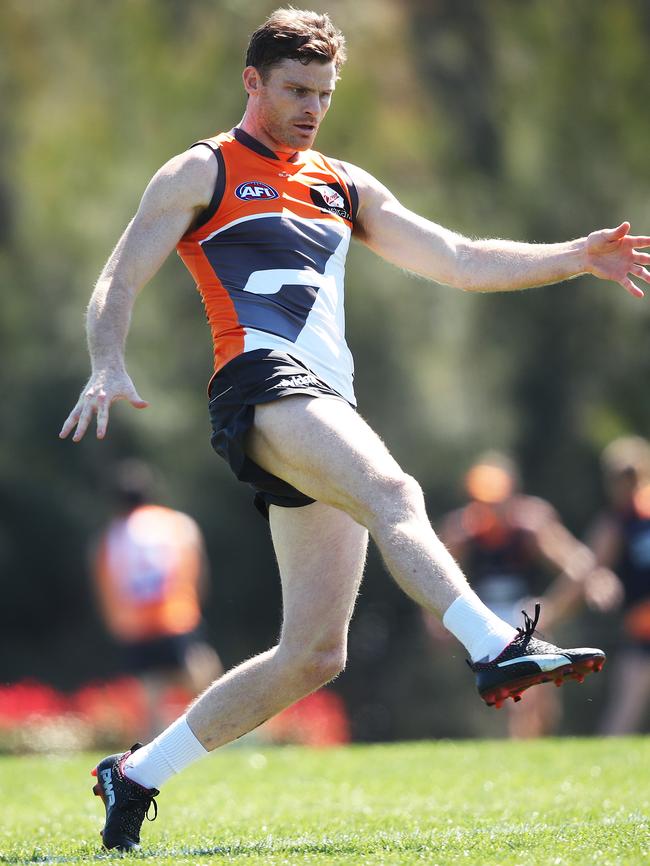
(289, 295)
(321, 344)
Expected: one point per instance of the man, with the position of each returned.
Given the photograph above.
(150, 575)
(263, 223)
(514, 547)
(620, 539)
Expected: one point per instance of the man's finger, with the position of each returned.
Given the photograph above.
(84, 421)
(639, 241)
(69, 422)
(640, 271)
(641, 259)
(137, 401)
(629, 286)
(102, 418)
(617, 233)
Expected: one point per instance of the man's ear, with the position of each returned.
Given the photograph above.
(252, 80)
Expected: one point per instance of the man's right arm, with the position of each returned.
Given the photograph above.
(176, 194)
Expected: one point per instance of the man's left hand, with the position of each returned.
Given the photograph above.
(613, 254)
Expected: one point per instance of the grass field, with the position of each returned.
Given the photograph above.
(555, 802)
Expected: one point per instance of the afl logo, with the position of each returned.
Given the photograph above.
(255, 190)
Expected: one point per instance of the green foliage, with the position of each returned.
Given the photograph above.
(556, 803)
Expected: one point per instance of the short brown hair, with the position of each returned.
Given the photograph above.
(627, 455)
(295, 34)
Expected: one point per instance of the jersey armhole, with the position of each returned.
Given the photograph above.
(219, 188)
(354, 194)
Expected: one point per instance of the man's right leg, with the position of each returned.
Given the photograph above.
(327, 451)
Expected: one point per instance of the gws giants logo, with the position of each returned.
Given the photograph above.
(255, 190)
(331, 198)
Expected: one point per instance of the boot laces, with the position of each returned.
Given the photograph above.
(530, 625)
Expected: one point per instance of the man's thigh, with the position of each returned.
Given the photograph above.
(321, 553)
(324, 448)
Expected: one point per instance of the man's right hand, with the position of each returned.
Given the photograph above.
(102, 390)
(176, 194)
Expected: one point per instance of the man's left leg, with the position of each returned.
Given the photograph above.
(321, 553)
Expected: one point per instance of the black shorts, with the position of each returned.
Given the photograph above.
(256, 377)
(159, 654)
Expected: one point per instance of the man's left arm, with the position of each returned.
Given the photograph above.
(436, 253)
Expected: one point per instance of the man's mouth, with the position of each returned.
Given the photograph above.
(306, 127)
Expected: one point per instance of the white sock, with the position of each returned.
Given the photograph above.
(173, 750)
(483, 634)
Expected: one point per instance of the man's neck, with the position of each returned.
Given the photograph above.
(282, 151)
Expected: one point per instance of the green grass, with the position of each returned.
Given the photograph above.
(555, 802)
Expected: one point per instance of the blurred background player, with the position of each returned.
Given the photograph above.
(620, 539)
(513, 548)
(150, 572)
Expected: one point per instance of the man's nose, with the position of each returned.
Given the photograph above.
(312, 105)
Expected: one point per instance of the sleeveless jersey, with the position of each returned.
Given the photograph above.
(268, 256)
(633, 567)
(148, 569)
(499, 554)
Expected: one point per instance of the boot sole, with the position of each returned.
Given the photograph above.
(495, 696)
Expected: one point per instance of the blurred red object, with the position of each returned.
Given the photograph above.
(25, 700)
(100, 712)
(320, 719)
(110, 712)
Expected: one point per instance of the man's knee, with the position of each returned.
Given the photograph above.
(323, 665)
(315, 664)
(398, 499)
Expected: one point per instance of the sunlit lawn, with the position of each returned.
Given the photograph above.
(560, 802)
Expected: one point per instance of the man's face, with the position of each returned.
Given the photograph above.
(622, 486)
(290, 105)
